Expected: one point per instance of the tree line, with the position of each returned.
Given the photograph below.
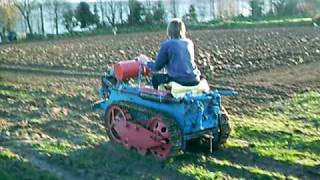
(113, 13)
(286, 8)
(103, 14)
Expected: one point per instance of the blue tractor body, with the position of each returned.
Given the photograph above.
(195, 115)
(154, 121)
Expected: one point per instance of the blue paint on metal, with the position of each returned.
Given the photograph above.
(194, 114)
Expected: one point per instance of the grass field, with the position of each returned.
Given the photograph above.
(12, 166)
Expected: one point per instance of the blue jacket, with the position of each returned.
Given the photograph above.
(177, 57)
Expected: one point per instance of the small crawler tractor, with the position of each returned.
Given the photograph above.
(157, 121)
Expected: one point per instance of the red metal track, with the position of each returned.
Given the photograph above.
(154, 137)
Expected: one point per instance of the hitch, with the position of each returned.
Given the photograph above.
(97, 105)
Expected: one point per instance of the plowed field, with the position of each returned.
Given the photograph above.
(47, 128)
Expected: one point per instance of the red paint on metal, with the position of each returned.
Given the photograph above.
(114, 115)
(154, 92)
(129, 69)
(134, 135)
(154, 136)
(157, 126)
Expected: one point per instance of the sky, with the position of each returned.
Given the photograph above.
(87, 0)
(96, 0)
(80, 0)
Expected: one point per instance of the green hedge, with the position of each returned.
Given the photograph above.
(267, 22)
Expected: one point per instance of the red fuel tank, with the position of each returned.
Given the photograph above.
(128, 69)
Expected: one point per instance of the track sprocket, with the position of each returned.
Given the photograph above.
(166, 129)
(113, 114)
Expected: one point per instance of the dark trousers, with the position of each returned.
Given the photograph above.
(158, 79)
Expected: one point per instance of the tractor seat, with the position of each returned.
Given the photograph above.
(179, 91)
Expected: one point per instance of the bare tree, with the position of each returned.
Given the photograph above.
(41, 17)
(212, 8)
(201, 11)
(271, 9)
(69, 20)
(256, 8)
(174, 8)
(311, 7)
(279, 6)
(233, 8)
(226, 8)
(102, 11)
(8, 17)
(286, 7)
(25, 7)
(56, 9)
(148, 12)
(111, 12)
(56, 6)
(121, 10)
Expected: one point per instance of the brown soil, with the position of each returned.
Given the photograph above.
(265, 65)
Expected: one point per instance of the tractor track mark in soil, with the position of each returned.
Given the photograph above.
(46, 71)
(43, 165)
(266, 86)
(218, 52)
(284, 82)
(293, 75)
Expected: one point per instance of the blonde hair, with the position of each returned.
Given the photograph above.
(176, 29)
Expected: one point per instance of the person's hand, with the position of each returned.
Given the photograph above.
(143, 59)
